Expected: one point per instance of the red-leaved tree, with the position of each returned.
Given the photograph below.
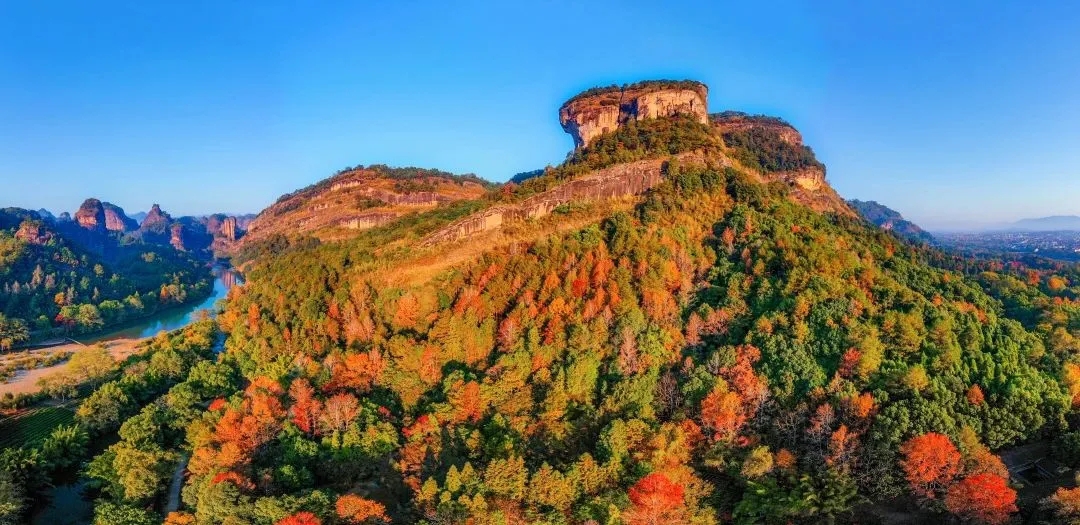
(655, 500)
(984, 498)
(300, 518)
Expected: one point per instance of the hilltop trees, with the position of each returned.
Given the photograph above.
(716, 352)
(717, 332)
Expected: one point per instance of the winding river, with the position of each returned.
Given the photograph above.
(173, 318)
(66, 505)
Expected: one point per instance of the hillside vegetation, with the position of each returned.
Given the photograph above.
(718, 351)
(713, 352)
(49, 284)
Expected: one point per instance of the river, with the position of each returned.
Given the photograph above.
(173, 318)
(66, 505)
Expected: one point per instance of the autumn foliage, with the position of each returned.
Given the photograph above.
(655, 500)
(356, 509)
(930, 463)
(984, 498)
(300, 518)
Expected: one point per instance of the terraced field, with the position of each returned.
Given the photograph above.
(31, 426)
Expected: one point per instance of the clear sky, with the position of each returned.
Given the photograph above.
(956, 115)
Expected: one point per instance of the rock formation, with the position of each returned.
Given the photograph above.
(91, 215)
(598, 111)
(33, 232)
(360, 198)
(889, 219)
(176, 237)
(729, 121)
(156, 220)
(622, 180)
(229, 228)
(116, 220)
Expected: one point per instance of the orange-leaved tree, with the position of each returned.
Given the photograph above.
(655, 500)
(1066, 504)
(931, 462)
(723, 412)
(357, 509)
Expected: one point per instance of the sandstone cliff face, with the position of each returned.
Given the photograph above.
(623, 180)
(33, 232)
(91, 215)
(729, 121)
(176, 237)
(156, 220)
(116, 220)
(229, 228)
(592, 114)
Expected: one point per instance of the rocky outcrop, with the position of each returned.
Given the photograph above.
(176, 236)
(33, 232)
(156, 220)
(889, 219)
(229, 229)
(116, 220)
(368, 220)
(360, 198)
(809, 188)
(599, 111)
(91, 215)
(622, 180)
(734, 121)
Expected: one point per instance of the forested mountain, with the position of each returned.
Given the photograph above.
(682, 323)
(69, 279)
(890, 219)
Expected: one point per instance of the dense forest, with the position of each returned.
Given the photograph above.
(48, 283)
(716, 353)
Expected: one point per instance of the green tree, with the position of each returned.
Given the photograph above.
(12, 332)
(105, 408)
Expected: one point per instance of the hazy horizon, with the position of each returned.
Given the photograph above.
(957, 116)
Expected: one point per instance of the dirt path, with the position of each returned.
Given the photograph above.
(173, 503)
(25, 381)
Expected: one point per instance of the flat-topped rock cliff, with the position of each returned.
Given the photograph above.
(602, 110)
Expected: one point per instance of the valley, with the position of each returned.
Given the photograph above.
(682, 322)
(121, 342)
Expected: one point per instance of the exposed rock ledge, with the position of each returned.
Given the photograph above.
(603, 110)
(623, 180)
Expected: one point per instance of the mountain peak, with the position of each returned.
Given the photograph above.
(596, 111)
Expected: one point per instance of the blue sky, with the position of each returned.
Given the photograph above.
(956, 115)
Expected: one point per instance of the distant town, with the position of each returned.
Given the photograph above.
(1061, 245)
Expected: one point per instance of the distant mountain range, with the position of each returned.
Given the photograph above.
(1046, 224)
(890, 219)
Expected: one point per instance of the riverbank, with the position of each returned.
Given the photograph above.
(26, 381)
(124, 340)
